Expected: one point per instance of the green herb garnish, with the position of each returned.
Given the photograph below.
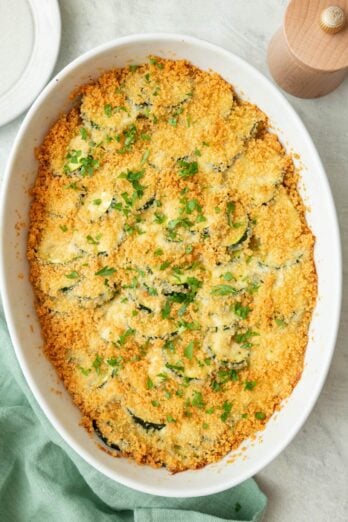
(197, 400)
(160, 218)
(227, 407)
(165, 312)
(188, 351)
(108, 110)
(98, 361)
(149, 383)
(83, 133)
(123, 337)
(223, 290)
(241, 311)
(72, 275)
(105, 271)
(230, 208)
(260, 415)
(187, 168)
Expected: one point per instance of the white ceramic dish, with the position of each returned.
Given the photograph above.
(18, 295)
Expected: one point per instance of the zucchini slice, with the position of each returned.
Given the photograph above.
(95, 206)
(146, 425)
(197, 368)
(226, 351)
(57, 246)
(102, 437)
(258, 172)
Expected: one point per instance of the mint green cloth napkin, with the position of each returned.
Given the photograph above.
(42, 479)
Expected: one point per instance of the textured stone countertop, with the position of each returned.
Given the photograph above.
(308, 482)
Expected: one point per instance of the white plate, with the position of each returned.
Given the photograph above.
(18, 295)
(29, 45)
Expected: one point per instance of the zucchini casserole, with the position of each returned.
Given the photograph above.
(172, 263)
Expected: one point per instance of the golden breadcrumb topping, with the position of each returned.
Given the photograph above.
(172, 263)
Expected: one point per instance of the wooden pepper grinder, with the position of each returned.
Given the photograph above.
(308, 56)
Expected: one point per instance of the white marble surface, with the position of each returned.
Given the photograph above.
(308, 482)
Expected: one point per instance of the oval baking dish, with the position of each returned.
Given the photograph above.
(18, 295)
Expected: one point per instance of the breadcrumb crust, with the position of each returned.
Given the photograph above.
(218, 198)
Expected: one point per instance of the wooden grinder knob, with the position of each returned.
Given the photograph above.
(308, 56)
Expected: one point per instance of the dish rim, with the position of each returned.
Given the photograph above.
(9, 314)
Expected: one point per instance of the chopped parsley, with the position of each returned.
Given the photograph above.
(169, 345)
(241, 311)
(244, 338)
(179, 223)
(164, 265)
(114, 361)
(230, 208)
(84, 371)
(188, 351)
(260, 415)
(154, 61)
(185, 325)
(223, 290)
(86, 164)
(133, 178)
(176, 367)
(187, 168)
(130, 136)
(165, 312)
(98, 361)
(123, 337)
(93, 241)
(227, 407)
(159, 217)
(108, 110)
(145, 156)
(83, 133)
(105, 271)
(72, 275)
(149, 383)
(197, 400)
(249, 385)
(63, 228)
(72, 186)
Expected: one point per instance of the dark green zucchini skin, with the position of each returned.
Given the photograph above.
(147, 426)
(144, 308)
(103, 438)
(148, 204)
